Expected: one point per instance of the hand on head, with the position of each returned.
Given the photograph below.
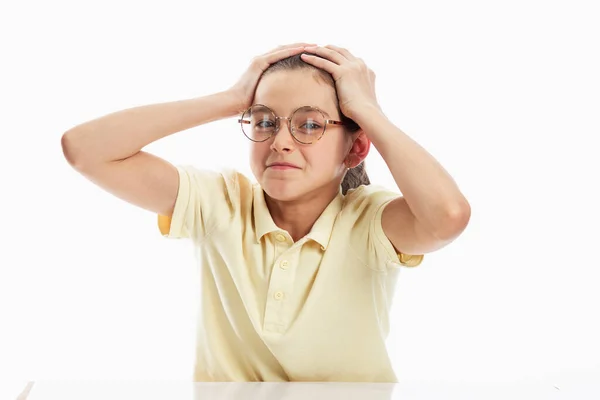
(244, 88)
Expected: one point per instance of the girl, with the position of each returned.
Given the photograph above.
(298, 269)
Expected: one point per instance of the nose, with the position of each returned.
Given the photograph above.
(283, 141)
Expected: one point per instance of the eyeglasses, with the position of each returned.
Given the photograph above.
(306, 124)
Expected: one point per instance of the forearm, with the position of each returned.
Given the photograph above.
(430, 192)
(122, 134)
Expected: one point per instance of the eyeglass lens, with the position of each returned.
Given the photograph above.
(259, 124)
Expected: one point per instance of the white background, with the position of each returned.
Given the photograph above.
(504, 94)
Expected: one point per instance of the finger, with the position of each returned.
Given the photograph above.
(272, 58)
(291, 46)
(323, 64)
(329, 54)
(342, 51)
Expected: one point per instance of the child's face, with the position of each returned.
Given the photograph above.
(321, 164)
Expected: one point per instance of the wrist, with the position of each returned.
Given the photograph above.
(366, 113)
(233, 103)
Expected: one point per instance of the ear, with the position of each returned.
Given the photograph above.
(359, 150)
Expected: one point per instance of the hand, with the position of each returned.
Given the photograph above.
(354, 81)
(245, 87)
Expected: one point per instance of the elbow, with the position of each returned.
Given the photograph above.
(454, 222)
(69, 149)
(74, 150)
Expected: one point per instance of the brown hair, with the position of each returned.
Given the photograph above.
(354, 176)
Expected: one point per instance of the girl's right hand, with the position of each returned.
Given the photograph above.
(244, 88)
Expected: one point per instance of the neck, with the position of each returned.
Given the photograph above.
(298, 216)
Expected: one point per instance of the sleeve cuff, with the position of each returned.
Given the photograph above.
(174, 226)
(395, 258)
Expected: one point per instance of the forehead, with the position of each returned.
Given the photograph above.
(285, 91)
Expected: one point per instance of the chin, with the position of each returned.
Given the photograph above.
(282, 185)
(282, 190)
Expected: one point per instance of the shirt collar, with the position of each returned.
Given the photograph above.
(321, 230)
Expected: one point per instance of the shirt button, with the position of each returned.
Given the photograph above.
(278, 295)
(284, 264)
(280, 237)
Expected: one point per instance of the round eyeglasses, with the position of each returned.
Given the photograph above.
(306, 124)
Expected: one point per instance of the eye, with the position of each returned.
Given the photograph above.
(265, 123)
(311, 125)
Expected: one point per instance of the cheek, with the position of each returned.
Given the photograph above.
(258, 156)
(325, 158)
(334, 151)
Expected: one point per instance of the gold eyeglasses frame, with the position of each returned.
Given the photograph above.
(241, 121)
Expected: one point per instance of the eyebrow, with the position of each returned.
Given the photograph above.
(320, 108)
(324, 112)
(311, 105)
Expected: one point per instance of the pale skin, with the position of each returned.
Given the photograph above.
(296, 197)
(432, 213)
(109, 150)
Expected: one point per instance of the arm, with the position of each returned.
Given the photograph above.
(107, 150)
(432, 211)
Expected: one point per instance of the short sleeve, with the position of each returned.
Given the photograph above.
(369, 240)
(206, 200)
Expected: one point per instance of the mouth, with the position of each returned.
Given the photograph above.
(282, 166)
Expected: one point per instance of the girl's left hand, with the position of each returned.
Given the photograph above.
(354, 81)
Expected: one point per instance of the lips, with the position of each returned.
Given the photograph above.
(283, 165)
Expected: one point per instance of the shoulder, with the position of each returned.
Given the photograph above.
(362, 212)
(208, 180)
(367, 198)
(229, 174)
(207, 199)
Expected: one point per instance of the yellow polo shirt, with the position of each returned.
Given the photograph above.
(274, 310)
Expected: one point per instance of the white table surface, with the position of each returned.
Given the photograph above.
(585, 387)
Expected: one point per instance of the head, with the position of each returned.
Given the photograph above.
(337, 158)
